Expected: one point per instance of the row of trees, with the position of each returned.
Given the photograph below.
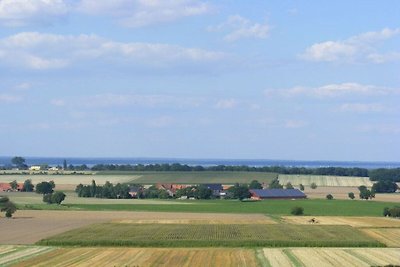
(108, 190)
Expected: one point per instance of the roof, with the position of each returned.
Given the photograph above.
(277, 193)
(214, 186)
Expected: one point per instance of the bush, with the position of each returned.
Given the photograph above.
(394, 212)
(386, 212)
(351, 195)
(301, 187)
(313, 186)
(329, 197)
(297, 211)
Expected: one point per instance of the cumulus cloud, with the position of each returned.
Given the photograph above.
(39, 51)
(138, 13)
(333, 90)
(238, 27)
(362, 47)
(15, 13)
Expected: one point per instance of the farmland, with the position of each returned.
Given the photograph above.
(388, 236)
(336, 257)
(324, 180)
(342, 220)
(212, 235)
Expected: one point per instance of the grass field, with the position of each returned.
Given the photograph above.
(335, 257)
(212, 235)
(202, 177)
(312, 207)
(324, 180)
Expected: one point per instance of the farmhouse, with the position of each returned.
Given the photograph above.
(134, 191)
(217, 189)
(171, 188)
(276, 194)
(6, 187)
(34, 168)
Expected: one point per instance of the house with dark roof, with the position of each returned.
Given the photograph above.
(217, 189)
(276, 194)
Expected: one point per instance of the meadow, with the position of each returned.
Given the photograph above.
(212, 235)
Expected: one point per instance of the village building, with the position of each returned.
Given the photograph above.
(276, 194)
(6, 187)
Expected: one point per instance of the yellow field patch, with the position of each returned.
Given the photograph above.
(11, 254)
(335, 257)
(324, 180)
(341, 220)
(144, 257)
(388, 236)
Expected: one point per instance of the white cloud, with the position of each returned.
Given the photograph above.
(7, 98)
(50, 51)
(293, 124)
(226, 103)
(362, 108)
(238, 27)
(15, 13)
(334, 90)
(362, 47)
(138, 13)
(383, 128)
(57, 102)
(23, 86)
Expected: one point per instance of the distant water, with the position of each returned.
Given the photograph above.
(204, 162)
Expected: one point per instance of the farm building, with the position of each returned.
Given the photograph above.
(34, 168)
(6, 187)
(171, 188)
(276, 194)
(217, 189)
(134, 191)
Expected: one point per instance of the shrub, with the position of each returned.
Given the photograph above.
(329, 197)
(301, 187)
(351, 195)
(394, 212)
(386, 212)
(289, 186)
(297, 210)
(313, 186)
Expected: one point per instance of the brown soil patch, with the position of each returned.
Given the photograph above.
(30, 226)
(339, 220)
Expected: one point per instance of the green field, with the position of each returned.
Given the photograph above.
(314, 207)
(212, 235)
(200, 177)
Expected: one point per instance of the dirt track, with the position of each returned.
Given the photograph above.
(30, 226)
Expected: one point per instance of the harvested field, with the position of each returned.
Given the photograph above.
(324, 180)
(212, 235)
(144, 257)
(388, 236)
(12, 254)
(188, 221)
(30, 226)
(335, 257)
(338, 220)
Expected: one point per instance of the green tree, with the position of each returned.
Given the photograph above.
(7, 206)
(45, 187)
(365, 193)
(58, 197)
(301, 187)
(93, 188)
(239, 191)
(28, 186)
(297, 211)
(202, 192)
(14, 185)
(47, 198)
(19, 162)
(329, 196)
(351, 195)
(385, 186)
(255, 185)
(313, 185)
(274, 184)
(289, 185)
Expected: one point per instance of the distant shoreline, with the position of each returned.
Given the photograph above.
(54, 161)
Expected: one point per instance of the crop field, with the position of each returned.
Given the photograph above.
(336, 257)
(388, 236)
(12, 254)
(202, 177)
(324, 180)
(340, 220)
(30, 226)
(212, 235)
(194, 257)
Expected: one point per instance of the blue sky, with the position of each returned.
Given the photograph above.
(305, 80)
